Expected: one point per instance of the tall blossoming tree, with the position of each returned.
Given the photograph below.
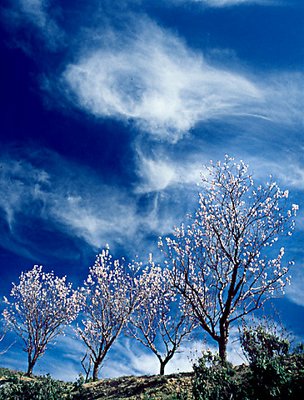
(160, 322)
(108, 297)
(41, 305)
(226, 261)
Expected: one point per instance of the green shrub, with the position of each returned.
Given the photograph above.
(44, 388)
(214, 379)
(261, 343)
(274, 372)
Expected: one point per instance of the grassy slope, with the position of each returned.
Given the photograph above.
(168, 387)
(176, 386)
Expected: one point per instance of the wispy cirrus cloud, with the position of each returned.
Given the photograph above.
(287, 169)
(46, 193)
(34, 10)
(159, 170)
(229, 3)
(61, 194)
(62, 359)
(39, 15)
(131, 358)
(149, 76)
(295, 291)
(284, 98)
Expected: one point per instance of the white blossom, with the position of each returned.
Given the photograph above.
(41, 305)
(220, 264)
(161, 321)
(107, 299)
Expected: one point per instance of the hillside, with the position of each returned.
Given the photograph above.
(15, 385)
(175, 386)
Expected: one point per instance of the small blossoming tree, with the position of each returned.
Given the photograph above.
(226, 262)
(41, 305)
(108, 297)
(161, 321)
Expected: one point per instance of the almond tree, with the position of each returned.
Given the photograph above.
(226, 262)
(161, 321)
(107, 298)
(41, 305)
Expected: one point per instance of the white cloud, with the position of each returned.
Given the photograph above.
(70, 351)
(285, 167)
(149, 76)
(103, 218)
(35, 10)
(284, 98)
(131, 358)
(62, 358)
(157, 174)
(295, 291)
(71, 197)
(228, 3)
(159, 171)
(38, 14)
(15, 178)
(73, 200)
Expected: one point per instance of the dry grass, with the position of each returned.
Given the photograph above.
(176, 386)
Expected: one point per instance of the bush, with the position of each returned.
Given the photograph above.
(44, 388)
(261, 343)
(274, 372)
(214, 379)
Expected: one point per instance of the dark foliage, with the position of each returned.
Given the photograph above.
(15, 387)
(274, 372)
(214, 379)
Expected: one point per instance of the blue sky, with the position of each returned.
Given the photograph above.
(109, 110)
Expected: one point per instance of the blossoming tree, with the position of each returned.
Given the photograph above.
(226, 262)
(107, 298)
(160, 322)
(41, 305)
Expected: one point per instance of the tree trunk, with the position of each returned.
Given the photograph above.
(96, 370)
(30, 365)
(223, 340)
(222, 349)
(162, 367)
